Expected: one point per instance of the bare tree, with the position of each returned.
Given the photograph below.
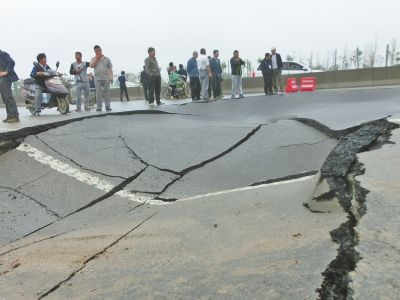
(371, 56)
(344, 59)
(310, 60)
(394, 53)
(356, 58)
(328, 62)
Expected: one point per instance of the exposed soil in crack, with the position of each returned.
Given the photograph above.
(339, 170)
(95, 256)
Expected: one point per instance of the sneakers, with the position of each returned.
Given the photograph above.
(98, 109)
(13, 119)
(241, 96)
(87, 109)
(78, 110)
(37, 113)
(108, 109)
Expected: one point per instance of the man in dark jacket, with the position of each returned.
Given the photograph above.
(153, 71)
(144, 80)
(182, 72)
(236, 67)
(277, 66)
(122, 86)
(216, 72)
(193, 72)
(7, 77)
(268, 73)
(39, 74)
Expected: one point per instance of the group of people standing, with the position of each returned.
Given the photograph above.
(205, 74)
(271, 67)
(103, 78)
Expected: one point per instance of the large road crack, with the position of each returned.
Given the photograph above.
(187, 170)
(339, 172)
(95, 256)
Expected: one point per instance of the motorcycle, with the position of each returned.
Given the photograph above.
(182, 90)
(55, 96)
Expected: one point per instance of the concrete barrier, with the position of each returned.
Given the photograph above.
(333, 79)
(325, 80)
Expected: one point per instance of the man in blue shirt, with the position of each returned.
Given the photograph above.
(216, 71)
(193, 72)
(7, 77)
(122, 86)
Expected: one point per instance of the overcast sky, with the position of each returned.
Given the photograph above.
(126, 28)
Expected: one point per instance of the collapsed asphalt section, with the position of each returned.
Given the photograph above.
(236, 149)
(338, 184)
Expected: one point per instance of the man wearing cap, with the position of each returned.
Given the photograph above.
(277, 66)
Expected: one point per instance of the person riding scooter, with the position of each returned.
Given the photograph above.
(39, 73)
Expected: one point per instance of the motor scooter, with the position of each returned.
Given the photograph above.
(54, 95)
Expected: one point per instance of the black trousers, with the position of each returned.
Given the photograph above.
(155, 89)
(268, 85)
(146, 92)
(216, 85)
(7, 96)
(123, 89)
(173, 87)
(195, 87)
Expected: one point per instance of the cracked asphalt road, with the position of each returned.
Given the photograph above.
(203, 200)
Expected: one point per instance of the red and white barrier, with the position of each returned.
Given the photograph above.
(308, 84)
(291, 85)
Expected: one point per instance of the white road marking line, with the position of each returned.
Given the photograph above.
(81, 176)
(247, 188)
(105, 186)
(394, 120)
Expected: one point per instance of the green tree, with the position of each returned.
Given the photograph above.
(289, 57)
(224, 66)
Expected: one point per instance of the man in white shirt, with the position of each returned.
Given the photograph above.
(203, 65)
